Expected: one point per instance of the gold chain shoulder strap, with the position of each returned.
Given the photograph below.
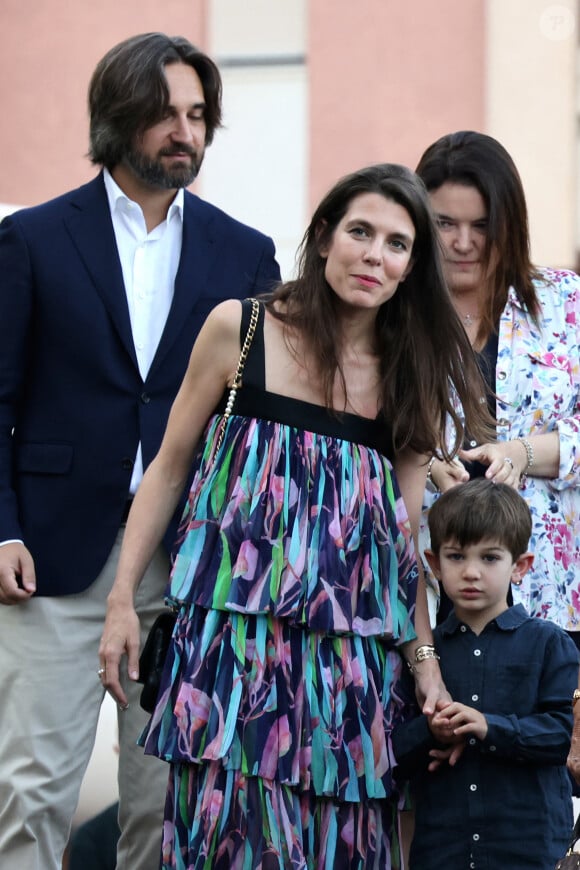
(239, 371)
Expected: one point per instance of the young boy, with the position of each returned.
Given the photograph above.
(506, 800)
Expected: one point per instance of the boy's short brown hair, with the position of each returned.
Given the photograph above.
(478, 510)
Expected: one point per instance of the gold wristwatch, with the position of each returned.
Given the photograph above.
(575, 697)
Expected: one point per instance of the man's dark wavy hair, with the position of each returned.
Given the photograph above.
(128, 92)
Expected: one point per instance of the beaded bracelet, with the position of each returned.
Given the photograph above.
(529, 453)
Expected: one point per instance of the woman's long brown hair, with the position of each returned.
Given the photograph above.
(476, 160)
(424, 353)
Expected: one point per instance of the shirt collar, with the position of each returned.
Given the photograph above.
(115, 196)
(509, 620)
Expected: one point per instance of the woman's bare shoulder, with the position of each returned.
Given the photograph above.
(225, 318)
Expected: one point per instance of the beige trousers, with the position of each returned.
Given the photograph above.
(50, 697)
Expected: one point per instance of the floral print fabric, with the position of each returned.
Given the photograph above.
(538, 390)
(296, 581)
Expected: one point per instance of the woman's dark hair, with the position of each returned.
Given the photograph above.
(480, 510)
(128, 92)
(422, 346)
(479, 161)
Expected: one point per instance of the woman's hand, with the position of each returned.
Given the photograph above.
(120, 637)
(573, 762)
(430, 689)
(445, 475)
(506, 460)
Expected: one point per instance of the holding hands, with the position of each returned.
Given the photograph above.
(455, 720)
(450, 724)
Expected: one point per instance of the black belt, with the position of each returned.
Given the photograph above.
(126, 510)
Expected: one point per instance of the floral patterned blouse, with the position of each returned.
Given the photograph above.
(538, 390)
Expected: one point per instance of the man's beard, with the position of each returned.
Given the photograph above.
(152, 171)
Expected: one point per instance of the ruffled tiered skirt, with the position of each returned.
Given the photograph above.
(296, 582)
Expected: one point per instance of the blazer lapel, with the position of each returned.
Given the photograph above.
(198, 249)
(91, 229)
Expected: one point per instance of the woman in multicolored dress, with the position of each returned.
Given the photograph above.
(524, 323)
(296, 580)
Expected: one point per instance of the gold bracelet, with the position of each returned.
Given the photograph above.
(422, 653)
(425, 651)
(430, 471)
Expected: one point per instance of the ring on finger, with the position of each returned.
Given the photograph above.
(101, 671)
(509, 461)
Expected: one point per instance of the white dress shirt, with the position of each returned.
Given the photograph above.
(149, 262)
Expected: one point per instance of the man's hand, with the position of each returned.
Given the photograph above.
(17, 576)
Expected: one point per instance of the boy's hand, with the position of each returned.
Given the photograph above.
(439, 724)
(456, 720)
(450, 755)
(443, 733)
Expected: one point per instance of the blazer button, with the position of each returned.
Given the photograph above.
(145, 398)
(127, 464)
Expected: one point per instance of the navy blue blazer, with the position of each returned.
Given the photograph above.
(73, 406)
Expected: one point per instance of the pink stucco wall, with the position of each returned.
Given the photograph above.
(48, 50)
(389, 77)
(385, 78)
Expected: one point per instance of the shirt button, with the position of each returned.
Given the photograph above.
(463, 628)
(475, 837)
(492, 748)
(501, 376)
(471, 866)
(472, 741)
(472, 787)
(473, 443)
(145, 398)
(476, 652)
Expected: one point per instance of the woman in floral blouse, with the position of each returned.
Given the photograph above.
(524, 324)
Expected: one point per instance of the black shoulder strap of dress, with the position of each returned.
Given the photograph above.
(254, 369)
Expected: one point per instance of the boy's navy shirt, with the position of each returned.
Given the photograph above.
(507, 802)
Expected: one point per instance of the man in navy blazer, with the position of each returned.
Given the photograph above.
(102, 294)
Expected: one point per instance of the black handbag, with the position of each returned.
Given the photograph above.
(571, 860)
(154, 653)
(153, 657)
